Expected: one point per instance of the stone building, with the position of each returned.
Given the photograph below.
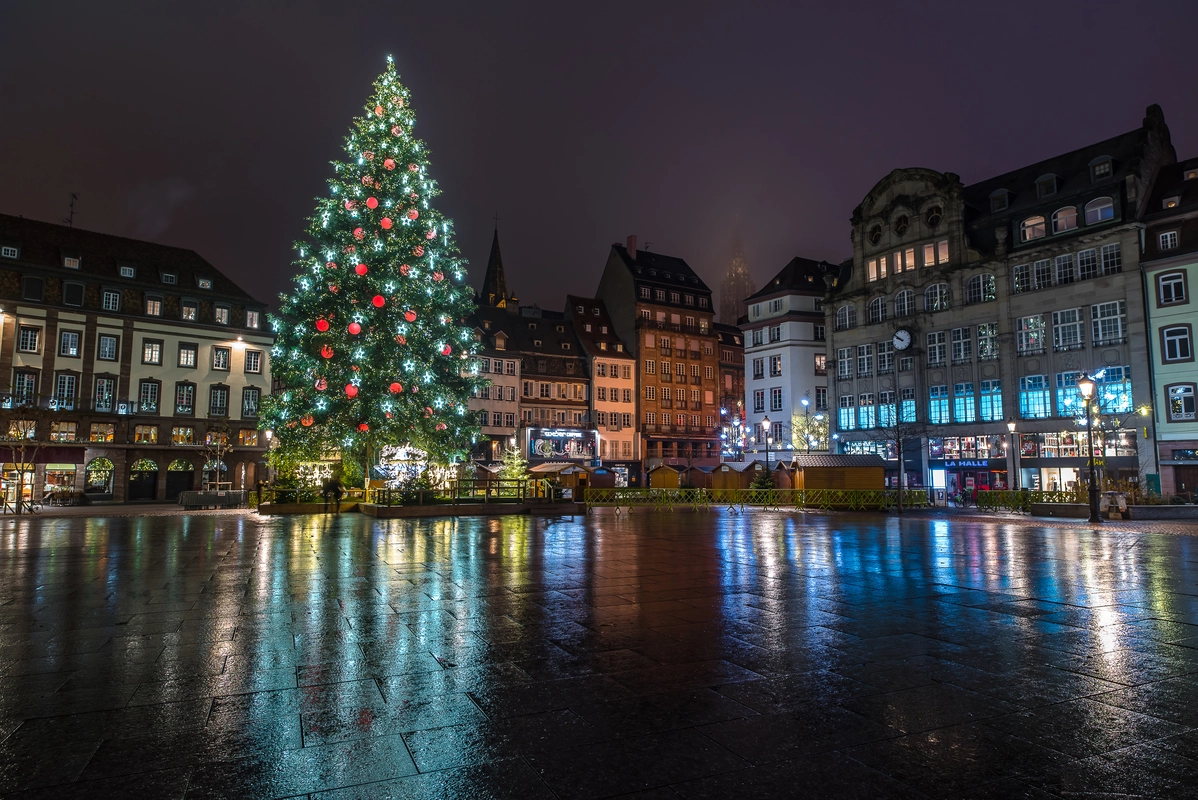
(965, 307)
(730, 346)
(785, 359)
(737, 285)
(495, 323)
(144, 354)
(554, 389)
(663, 311)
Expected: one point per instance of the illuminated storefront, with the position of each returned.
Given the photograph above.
(561, 444)
(1059, 461)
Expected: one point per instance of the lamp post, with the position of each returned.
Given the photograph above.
(1014, 440)
(1085, 385)
(807, 422)
(765, 434)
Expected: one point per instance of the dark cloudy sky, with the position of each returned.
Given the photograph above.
(211, 125)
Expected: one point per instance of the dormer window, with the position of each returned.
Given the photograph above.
(1171, 202)
(1031, 228)
(619, 347)
(536, 342)
(561, 329)
(500, 342)
(532, 326)
(70, 262)
(579, 309)
(8, 251)
(999, 200)
(1046, 185)
(1190, 174)
(170, 278)
(486, 324)
(1100, 169)
(586, 326)
(128, 272)
(603, 345)
(204, 283)
(1099, 210)
(594, 312)
(565, 345)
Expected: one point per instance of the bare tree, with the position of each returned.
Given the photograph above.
(26, 425)
(217, 446)
(897, 425)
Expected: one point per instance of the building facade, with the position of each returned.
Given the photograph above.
(965, 307)
(140, 357)
(495, 324)
(730, 347)
(663, 311)
(786, 361)
(554, 390)
(612, 391)
(1170, 266)
(737, 285)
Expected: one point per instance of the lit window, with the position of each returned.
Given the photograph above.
(1181, 402)
(1035, 397)
(112, 301)
(1168, 240)
(183, 435)
(220, 358)
(1064, 219)
(1031, 228)
(938, 405)
(253, 361)
(1099, 210)
(187, 355)
(980, 289)
(145, 434)
(936, 297)
(253, 319)
(190, 311)
(221, 315)
(154, 306)
(204, 283)
(70, 262)
(151, 352)
(1100, 168)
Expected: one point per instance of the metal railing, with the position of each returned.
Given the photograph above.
(1021, 500)
(471, 490)
(625, 499)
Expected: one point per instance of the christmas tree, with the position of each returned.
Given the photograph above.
(372, 348)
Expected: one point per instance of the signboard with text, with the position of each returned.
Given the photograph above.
(562, 444)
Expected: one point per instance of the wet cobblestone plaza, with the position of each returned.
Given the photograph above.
(694, 655)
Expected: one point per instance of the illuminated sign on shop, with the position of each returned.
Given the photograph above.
(560, 444)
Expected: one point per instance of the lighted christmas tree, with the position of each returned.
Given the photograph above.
(372, 348)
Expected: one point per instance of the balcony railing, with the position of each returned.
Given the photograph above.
(1031, 351)
(1065, 347)
(1109, 341)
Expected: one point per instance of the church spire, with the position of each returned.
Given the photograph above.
(737, 285)
(494, 292)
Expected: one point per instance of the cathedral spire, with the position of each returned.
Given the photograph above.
(494, 293)
(737, 285)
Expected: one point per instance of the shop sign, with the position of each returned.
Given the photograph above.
(561, 444)
(964, 462)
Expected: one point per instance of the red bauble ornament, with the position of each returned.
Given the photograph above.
(401, 339)
(331, 265)
(397, 101)
(413, 214)
(418, 250)
(333, 288)
(404, 269)
(396, 387)
(431, 235)
(385, 222)
(354, 328)
(359, 234)
(321, 384)
(413, 168)
(326, 352)
(387, 414)
(354, 367)
(372, 202)
(428, 411)
(307, 420)
(446, 350)
(362, 426)
(409, 315)
(378, 301)
(437, 276)
(378, 111)
(368, 155)
(350, 205)
(349, 248)
(415, 389)
(351, 390)
(441, 426)
(322, 325)
(390, 162)
(361, 269)
(291, 424)
(367, 180)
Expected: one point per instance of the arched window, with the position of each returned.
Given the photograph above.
(877, 309)
(98, 476)
(1099, 210)
(933, 216)
(901, 223)
(875, 234)
(904, 303)
(1064, 219)
(1031, 228)
(846, 317)
(936, 297)
(980, 289)
(180, 465)
(144, 465)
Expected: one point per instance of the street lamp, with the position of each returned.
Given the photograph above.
(1014, 440)
(1085, 385)
(765, 434)
(807, 422)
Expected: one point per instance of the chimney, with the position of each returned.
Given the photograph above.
(632, 247)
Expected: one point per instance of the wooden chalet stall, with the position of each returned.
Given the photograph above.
(700, 477)
(829, 471)
(663, 476)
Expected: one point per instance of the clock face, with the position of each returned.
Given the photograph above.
(902, 339)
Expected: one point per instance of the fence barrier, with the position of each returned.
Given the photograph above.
(738, 499)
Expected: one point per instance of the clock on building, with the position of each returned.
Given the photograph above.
(902, 339)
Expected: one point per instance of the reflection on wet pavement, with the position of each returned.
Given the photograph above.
(698, 655)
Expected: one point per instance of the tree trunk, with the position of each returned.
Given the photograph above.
(901, 471)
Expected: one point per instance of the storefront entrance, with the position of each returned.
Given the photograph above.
(180, 477)
(143, 480)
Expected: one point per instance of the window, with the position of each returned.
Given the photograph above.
(7, 251)
(988, 341)
(32, 289)
(145, 434)
(218, 401)
(185, 398)
(709, 372)
(818, 333)
(964, 408)
(675, 297)
(821, 364)
(933, 215)
(105, 391)
(759, 401)
(72, 294)
(776, 399)
(1042, 274)
(962, 341)
(776, 333)
(938, 405)
(1181, 402)
(220, 358)
(904, 303)
(1171, 288)
(1109, 322)
(153, 306)
(253, 319)
(248, 437)
(886, 409)
(1168, 240)
(901, 223)
(702, 302)
(650, 366)
(1035, 400)
(1029, 335)
(846, 418)
(936, 348)
(936, 297)
(866, 411)
(906, 364)
(980, 289)
(873, 270)
(1114, 390)
(644, 292)
(190, 311)
(1099, 210)
(68, 343)
(998, 200)
(1065, 269)
(204, 283)
(187, 355)
(101, 432)
(151, 351)
(220, 315)
(253, 361)
(250, 396)
(1087, 264)
(106, 348)
(1046, 186)
(1031, 228)
(545, 390)
(147, 397)
(877, 309)
(991, 401)
(1069, 397)
(758, 368)
(24, 387)
(650, 392)
(844, 362)
(885, 358)
(1021, 278)
(170, 278)
(821, 398)
(63, 431)
(65, 390)
(128, 272)
(1100, 168)
(1112, 259)
(111, 300)
(509, 419)
(1175, 343)
(1064, 219)
(865, 359)
(846, 317)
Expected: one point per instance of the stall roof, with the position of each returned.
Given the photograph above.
(832, 460)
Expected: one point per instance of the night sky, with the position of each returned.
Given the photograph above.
(578, 123)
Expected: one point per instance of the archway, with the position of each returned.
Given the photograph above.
(98, 476)
(180, 477)
(143, 479)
